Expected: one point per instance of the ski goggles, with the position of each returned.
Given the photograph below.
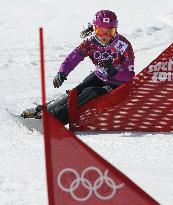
(104, 32)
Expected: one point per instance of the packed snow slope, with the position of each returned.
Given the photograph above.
(147, 158)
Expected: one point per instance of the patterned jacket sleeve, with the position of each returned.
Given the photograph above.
(75, 57)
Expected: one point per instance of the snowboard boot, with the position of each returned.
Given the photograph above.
(31, 113)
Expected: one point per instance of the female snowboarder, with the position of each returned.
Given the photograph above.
(110, 52)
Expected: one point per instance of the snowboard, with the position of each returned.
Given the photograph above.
(30, 123)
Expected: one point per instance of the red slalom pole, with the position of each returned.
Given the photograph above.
(45, 124)
(42, 68)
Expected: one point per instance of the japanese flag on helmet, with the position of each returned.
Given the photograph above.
(106, 19)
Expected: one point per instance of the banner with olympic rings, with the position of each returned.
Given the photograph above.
(78, 175)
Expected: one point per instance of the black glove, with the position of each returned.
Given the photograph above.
(111, 71)
(59, 79)
(104, 63)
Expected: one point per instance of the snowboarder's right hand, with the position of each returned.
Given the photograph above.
(59, 79)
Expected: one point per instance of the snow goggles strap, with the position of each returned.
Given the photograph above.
(105, 33)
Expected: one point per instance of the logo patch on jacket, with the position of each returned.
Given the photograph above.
(121, 46)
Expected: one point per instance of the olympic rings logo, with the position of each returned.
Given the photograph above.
(92, 187)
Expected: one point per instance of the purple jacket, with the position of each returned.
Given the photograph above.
(119, 53)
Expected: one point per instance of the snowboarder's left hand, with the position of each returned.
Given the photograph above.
(111, 71)
(59, 79)
(104, 63)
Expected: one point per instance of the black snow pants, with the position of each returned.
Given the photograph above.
(90, 88)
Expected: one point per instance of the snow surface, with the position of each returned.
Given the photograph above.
(147, 158)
